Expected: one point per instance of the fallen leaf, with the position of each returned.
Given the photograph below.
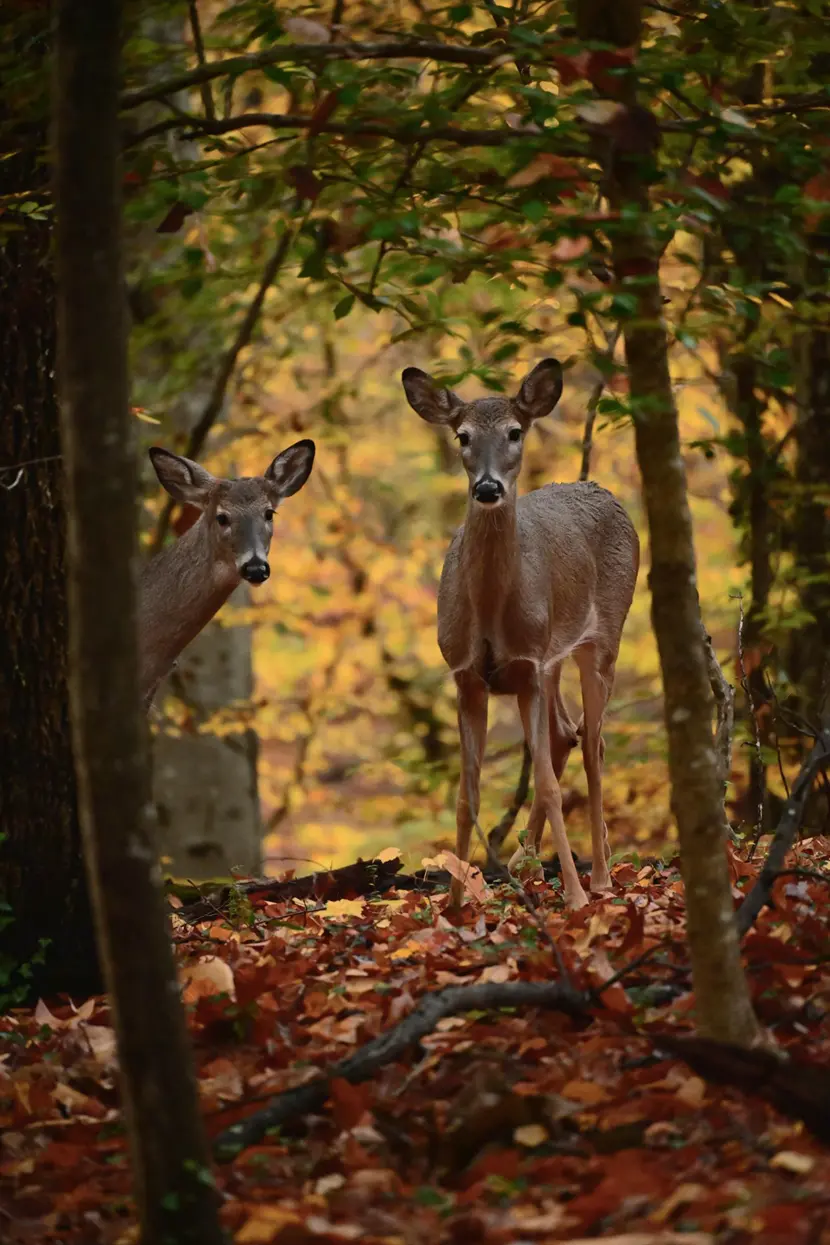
(692, 1092)
(530, 1135)
(265, 1224)
(793, 1161)
(389, 853)
(469, 874)
(206, 978)
(336, 908)
(587, 1092)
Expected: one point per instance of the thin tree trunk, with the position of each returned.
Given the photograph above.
(173, 1189)
(42, 878)
(724, 1010)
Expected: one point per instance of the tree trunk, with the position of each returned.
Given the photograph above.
(173, 1189)
(724, 1010)
(809, 658)
(205, 784)
(41, 870)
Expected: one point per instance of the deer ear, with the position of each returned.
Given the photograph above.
(432, 402)
(541, 390)
(290, 469)
(184, 480)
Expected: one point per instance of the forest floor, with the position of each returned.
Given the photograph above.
(501, 1125)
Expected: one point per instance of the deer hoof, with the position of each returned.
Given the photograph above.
(576, 899)
(600, 881)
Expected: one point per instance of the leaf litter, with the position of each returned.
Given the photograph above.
(500, 1126)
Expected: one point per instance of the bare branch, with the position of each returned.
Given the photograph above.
(199, 46)
(406, 135)
(213, 407)
(785, 833)
(316, 53)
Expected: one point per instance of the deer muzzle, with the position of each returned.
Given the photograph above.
(488, 491)
(255, 570)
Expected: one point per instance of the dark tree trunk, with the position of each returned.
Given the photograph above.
(41, 870)
(809, 658)
(176, 1201)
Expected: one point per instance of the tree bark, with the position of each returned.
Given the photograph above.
(174, 1192)
(42, 877)
(809, 664)
(723, 1006)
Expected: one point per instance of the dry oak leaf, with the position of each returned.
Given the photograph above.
(206, 978)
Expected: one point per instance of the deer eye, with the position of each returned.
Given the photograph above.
(223, 520)
(515, 434)
(463, 439)
(269, 514)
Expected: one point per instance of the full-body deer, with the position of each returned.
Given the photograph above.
(182, 588)
(527, 583)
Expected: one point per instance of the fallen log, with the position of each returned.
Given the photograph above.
(293, 1104)
(363, 878)
(784, 836)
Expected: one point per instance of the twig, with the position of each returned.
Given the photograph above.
(213, 407)
(19, 468)
(759, 756)
(295, 1103)
(774, 698)
(504, 875)
(406, 135)
(593, 403)
(785, 833)
(199, 47)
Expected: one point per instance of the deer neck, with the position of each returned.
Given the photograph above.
(180, 590)
(490, 558)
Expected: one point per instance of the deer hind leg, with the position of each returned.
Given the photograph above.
(563, 732)
(472, 729)
(547, 800)
(596, 678)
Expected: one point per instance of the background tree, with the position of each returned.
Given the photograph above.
(46, 924)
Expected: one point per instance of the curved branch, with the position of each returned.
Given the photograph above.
(199, 433)
(364, 1063)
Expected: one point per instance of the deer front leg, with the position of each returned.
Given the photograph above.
(472, 730)
(547, 799)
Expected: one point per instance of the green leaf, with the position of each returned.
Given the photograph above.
(535, 210)
(342, 309)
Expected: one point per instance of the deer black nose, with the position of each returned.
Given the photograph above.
(488, 491)
(255, 570)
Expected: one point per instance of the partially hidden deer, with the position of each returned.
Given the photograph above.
(528, 582)
(181, 588)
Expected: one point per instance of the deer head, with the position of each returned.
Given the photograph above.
(490, 431)
(238, 514)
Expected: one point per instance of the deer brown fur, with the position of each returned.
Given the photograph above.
(527, 583)
(182, 588)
